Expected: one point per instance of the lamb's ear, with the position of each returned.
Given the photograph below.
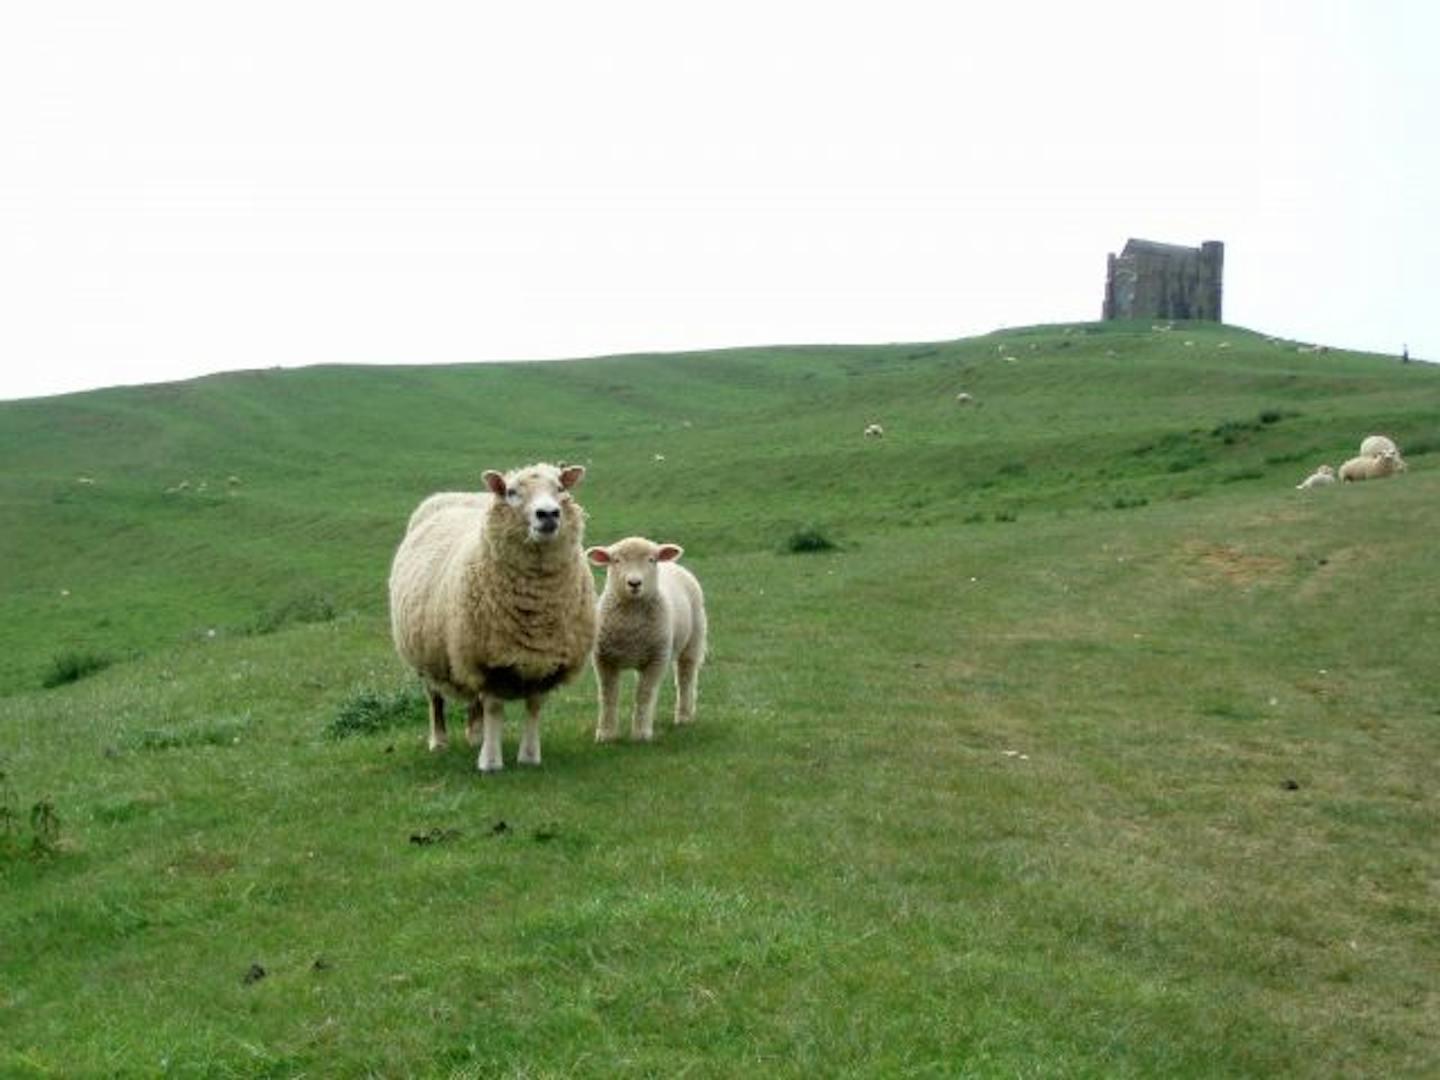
(496, 483)
(598, 555)
(571, 475)
(669, 552)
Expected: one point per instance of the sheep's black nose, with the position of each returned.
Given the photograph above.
(547, 519)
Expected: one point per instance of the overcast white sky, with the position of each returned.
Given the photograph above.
(192, 187)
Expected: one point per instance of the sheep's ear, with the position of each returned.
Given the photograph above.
(598, 555)
(571, 475)
(669, 552)
(496, 483)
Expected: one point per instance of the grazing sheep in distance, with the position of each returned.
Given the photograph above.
(1375, 445)
(1321, 477)
(491, 600)
(965, 399)
(651, 612)
(874, 431)
(1387, 463)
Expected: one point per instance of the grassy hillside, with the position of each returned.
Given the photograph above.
(1093, 749)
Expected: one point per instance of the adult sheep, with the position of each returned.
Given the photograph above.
(491, 600)
(1375, 445)
(874, 431)
(651, 612)
(1384, 464)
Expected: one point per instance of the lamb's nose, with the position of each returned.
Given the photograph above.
(634, 584)
(547, 520)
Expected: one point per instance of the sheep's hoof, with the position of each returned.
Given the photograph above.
(533, 763)
(437, 745)
(642, 736)
(491, 767)
(606, 736)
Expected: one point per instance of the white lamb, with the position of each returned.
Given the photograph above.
(1321, 477)
(874, 431)
(1386, 463)
(964, 398)
(651, 612)
(491, 600)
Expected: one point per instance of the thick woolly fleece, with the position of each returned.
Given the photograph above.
(477, 608)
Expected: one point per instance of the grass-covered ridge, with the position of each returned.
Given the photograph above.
(1088, 746)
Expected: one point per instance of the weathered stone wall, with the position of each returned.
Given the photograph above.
(1165, 281)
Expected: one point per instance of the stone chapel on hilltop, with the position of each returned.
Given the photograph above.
(1164, 281)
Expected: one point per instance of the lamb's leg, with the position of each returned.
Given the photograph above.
(492, 756)
(687, 670)
(475, 714)
(608, 679)
(530, 737)
(642, 727)
(438, 739)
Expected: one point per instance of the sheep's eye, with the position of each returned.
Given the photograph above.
(652, 558)
(511, 493)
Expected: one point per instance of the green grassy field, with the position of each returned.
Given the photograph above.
(1092, 748)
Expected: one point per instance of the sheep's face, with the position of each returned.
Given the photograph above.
(539, 498)
(632, 566)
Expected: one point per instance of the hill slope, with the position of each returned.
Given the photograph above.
(139, 518)
(1094, 749)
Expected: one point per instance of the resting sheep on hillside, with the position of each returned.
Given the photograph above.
(1387, 463)
(1375, 445)
(651, 612)
(1321, 477)
(874, 431)
(491, 600)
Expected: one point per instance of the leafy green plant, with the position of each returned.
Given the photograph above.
(367, 711)
(808, 540)
(72, 666)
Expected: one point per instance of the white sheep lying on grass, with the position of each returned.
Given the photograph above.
(1386, 463)
(491, 600)
(651, 612)
(1321, 477)
(874, 431)
(1375, 445)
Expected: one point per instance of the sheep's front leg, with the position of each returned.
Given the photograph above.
(438, 739)
(687, 670)
(473, 719)
(492, 756)
(642, 727)
(530, 737)
(608, 679)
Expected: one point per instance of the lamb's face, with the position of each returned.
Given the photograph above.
(539, 497)
(632, 566)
